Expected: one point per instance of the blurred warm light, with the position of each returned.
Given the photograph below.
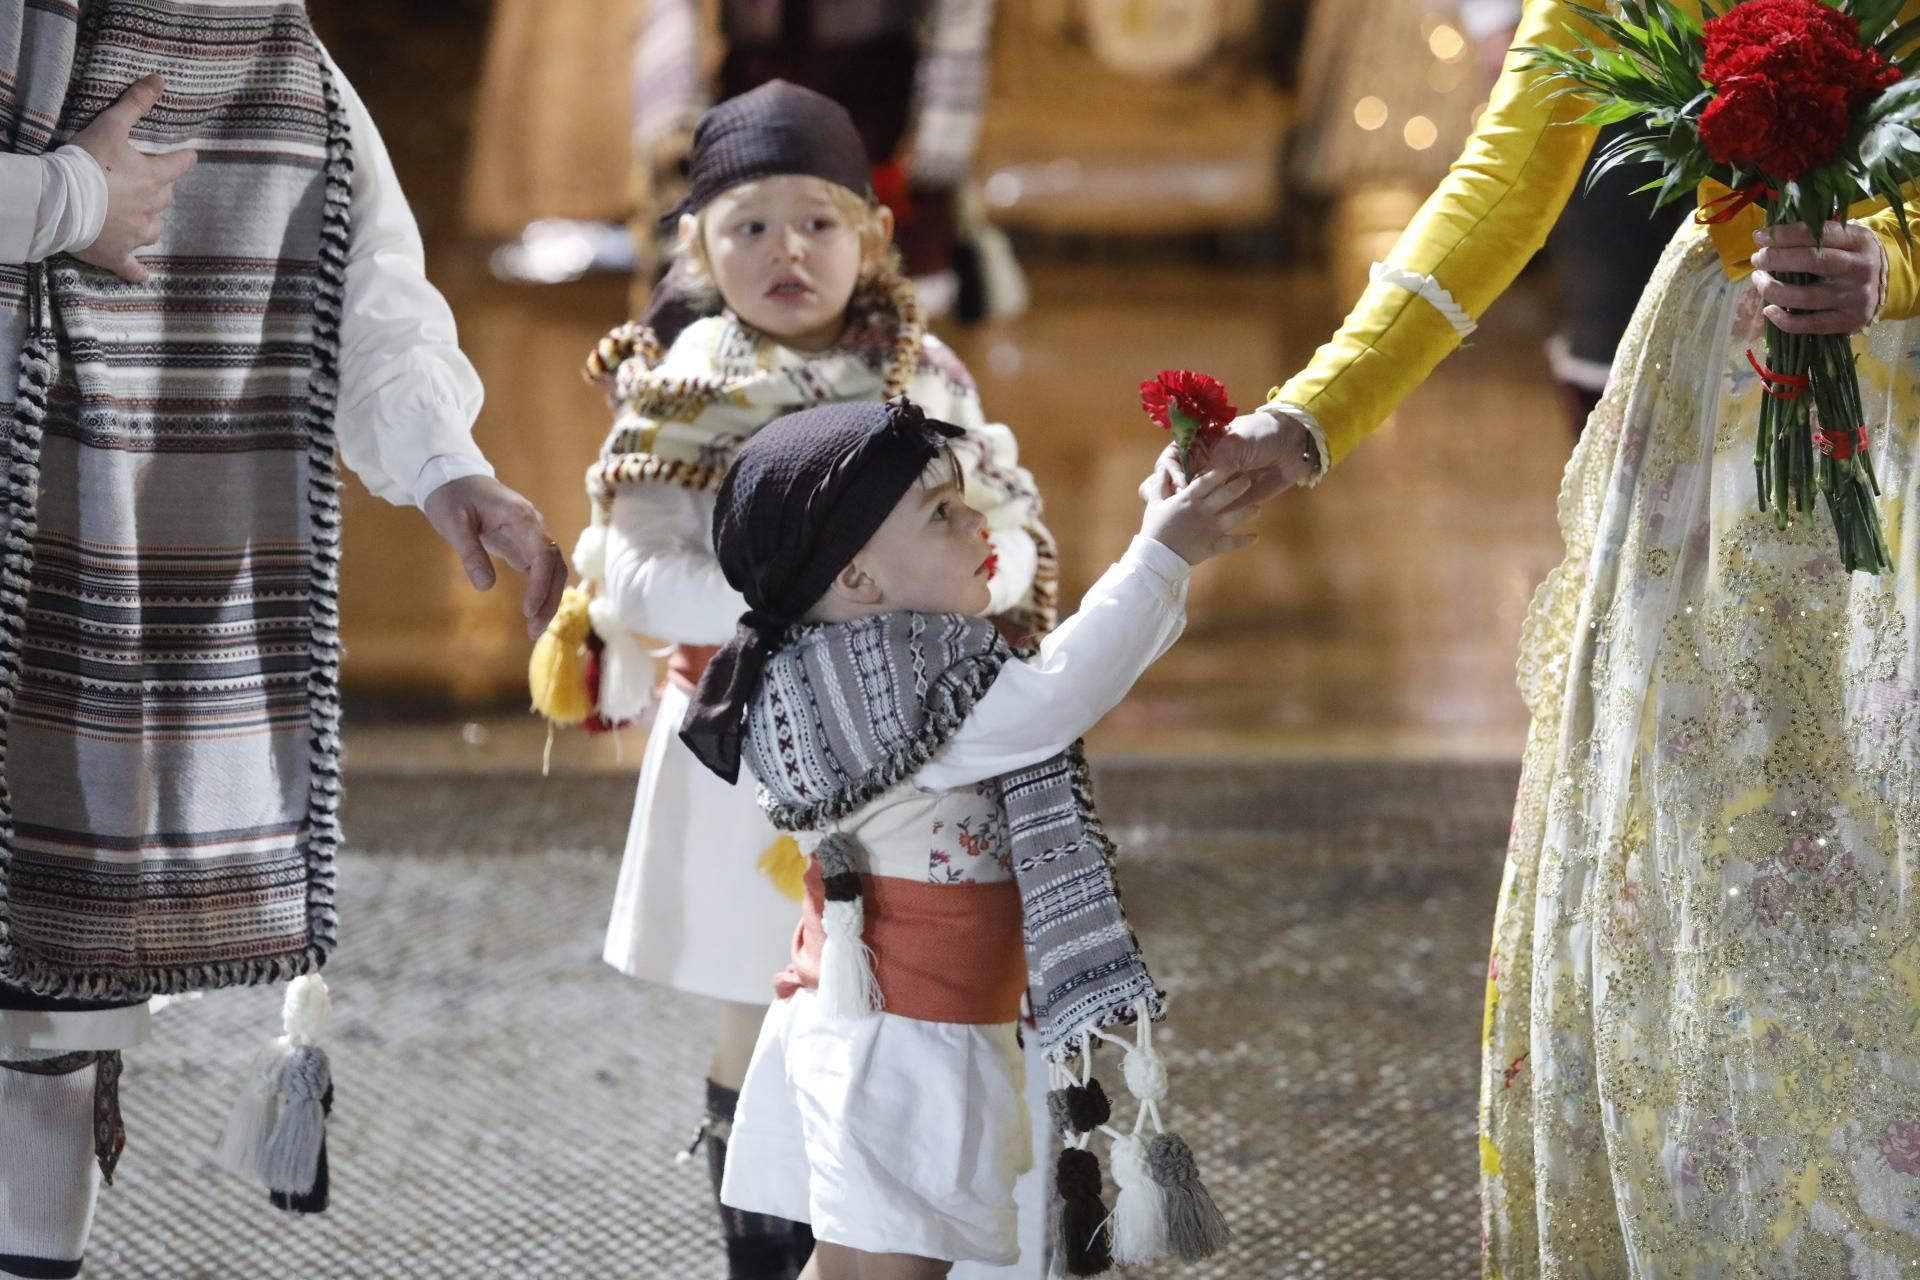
(1420, 133)
(1445, 77)
(1446, 43)
(1473, 117)
(1370, 113)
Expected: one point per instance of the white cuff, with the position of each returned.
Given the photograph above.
(1159, 560)
(78, 225)
(1482, 18)
(1576, 371)
(1315, 432)
(442, 468)
(1430, 289)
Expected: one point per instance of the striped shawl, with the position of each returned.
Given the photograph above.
(169, 627)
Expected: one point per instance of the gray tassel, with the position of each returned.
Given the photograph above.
(291, 1161)
(1195, 1228)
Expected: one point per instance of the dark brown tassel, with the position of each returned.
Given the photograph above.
(1080, 1216)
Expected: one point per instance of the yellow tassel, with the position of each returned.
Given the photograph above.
(557, 672)
(786, 866)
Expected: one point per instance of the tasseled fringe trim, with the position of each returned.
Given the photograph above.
(622, 343)
(323, 494)
(608, 474)
(1162, 1207)
(22, 493)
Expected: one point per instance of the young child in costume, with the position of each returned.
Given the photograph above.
(937, 784)
(787, 294)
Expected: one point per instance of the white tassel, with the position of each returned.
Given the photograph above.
(590, 554)
(308, 1006)
(1140, 1208)
(848, 988)
(626, 667)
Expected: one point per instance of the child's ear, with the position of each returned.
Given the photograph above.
(854, 585)
(691, 250)
(883, 216)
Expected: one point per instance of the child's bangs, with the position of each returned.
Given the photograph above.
(942, 469)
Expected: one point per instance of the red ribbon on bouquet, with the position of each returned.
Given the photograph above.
(1796, 384)
(1729, 206)
(1841, 444)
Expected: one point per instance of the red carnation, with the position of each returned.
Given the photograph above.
(1788, 76)
(1191, 405)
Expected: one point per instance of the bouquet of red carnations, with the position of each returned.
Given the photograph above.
(1802, 107)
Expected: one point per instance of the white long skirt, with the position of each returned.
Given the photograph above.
(692, 910)
(887, 1134)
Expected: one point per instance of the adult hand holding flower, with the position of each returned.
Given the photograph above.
(1803, 109)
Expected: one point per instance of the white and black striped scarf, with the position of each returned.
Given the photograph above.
(846, 711)
(169, 518)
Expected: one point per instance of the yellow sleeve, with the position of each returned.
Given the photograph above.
(1901, 300)
(1489, 216)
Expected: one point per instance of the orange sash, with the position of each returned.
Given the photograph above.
(941, 952)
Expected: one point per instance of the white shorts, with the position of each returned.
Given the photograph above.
(887, 1134)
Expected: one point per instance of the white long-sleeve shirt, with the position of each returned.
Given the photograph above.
(1038, 708)
(661, 572)
(408, 395)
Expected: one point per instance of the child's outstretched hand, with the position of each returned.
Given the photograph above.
(1196, 522)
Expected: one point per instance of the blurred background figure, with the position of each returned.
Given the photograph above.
(1385, 105)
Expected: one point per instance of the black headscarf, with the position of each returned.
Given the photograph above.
(774, 130)
(805, 494)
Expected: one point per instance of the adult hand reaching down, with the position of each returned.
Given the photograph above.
(481, 518)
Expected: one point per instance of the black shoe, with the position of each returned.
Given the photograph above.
(759, 1245)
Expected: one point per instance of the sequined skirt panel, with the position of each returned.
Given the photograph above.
(1702, 1040)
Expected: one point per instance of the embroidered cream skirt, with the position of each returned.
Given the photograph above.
(1702, 1041)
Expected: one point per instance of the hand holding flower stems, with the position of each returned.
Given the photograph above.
(1802, 108)
(1274, 450)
